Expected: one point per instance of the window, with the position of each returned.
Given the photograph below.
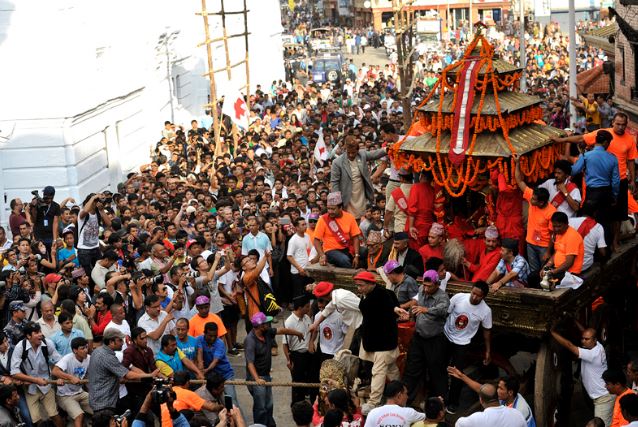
(178, 87)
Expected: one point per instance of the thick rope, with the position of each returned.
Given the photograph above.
(229, 382)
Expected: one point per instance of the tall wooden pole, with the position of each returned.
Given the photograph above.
(246, 58)
(211, 76)
(228, 70)
(523, 48)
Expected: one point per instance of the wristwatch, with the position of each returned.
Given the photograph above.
(566, 194)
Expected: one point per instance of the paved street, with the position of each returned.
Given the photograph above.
(372, 56)
(279, 373)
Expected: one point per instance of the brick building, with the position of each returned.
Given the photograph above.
(626, 78)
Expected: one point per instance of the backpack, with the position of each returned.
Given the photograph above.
(45, 353)
(268, 303)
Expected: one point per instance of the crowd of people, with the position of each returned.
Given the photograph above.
(153, 281)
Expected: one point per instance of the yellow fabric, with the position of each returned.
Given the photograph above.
(166, 370)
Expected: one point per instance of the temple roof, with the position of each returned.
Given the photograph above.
(499, 65)
(593, 81)
(508, 101)
(488, 144)
(602, 38)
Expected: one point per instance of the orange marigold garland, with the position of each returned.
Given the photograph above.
(456, 180)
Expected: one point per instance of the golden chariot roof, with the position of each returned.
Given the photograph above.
(480, 122)
(523, 139)
(508, 101)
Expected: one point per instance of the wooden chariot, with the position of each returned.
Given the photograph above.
(530, 313)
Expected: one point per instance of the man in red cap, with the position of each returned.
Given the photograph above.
(379, 334)
(342, 301)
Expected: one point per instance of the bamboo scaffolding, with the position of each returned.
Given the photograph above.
(217, 117)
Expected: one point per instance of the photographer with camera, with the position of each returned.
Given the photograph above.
(102, 316)
(107, 263)
(161, 261)
(89, 220)
(160, 400)
(18, 216)
(187, 399)
(13, 290)
(156, 322)
(46, 215)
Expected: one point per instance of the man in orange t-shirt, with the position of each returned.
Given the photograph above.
(336, 235)
(203, 316)
(538, 221)
(187, 399)
(623, 146)
(569, 249)
(615, 383)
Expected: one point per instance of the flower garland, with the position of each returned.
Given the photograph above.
(457, 179)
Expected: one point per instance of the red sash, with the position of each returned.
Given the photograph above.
(399, 198)
(336, 230)
(586, 227)
(559, 198)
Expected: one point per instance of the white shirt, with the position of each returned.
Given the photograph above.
(332, 332)
(299, 248)
(593, 364)
(47, 330)
(301, 325)
(123, 328)
(550, 185)
(89, 230)
(228, 279)
(495, 416)
(346, 303)
(464, 318)
(393, 416)
(71, 365)
(594, 239)
(150, 325)
(98, 274)
(443, 282)
(521, 405)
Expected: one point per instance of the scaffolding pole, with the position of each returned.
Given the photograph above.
(217, 117)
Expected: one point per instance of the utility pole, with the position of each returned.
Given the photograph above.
(523, 50)
(404, 31)
(165, 39)
(572, 63)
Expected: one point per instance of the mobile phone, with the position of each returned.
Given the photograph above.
(284, 221)
(228, 402)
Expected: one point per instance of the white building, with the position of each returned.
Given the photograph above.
(86, 88)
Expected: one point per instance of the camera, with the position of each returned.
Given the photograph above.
(157, 280)
(120, 418)
(39, 202)
(162, 390)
